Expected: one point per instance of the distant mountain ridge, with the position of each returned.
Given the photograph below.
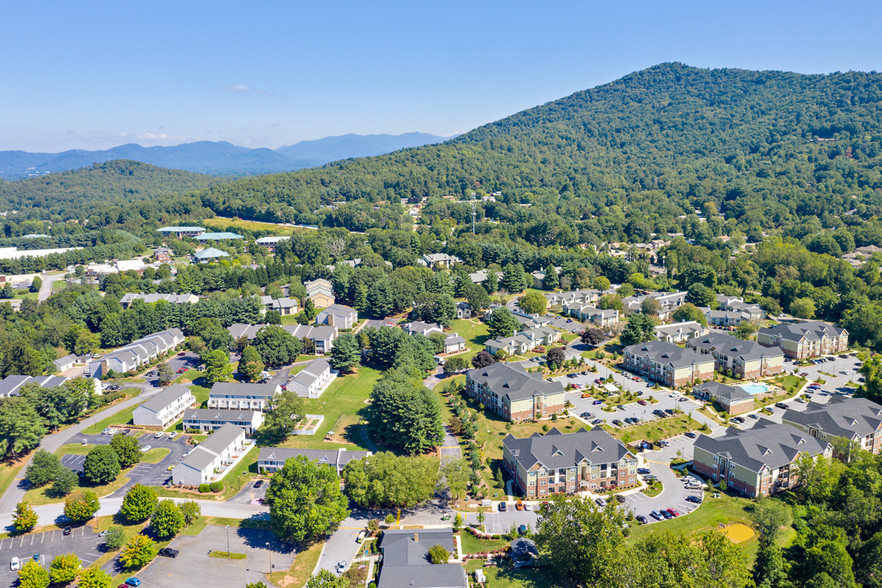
(218, 158)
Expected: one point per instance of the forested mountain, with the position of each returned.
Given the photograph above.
(764, 148)
(117, 183)
(330, 149)
(214, 157)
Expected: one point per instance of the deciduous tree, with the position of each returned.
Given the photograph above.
(251, 365)
(167, 519)
(64, 568)
(138, 552)
(128, 450)
(345, 354)
(81, 506)
(533, 302)
(94, 578)
(305, 500)
(101, 465)
(32, 575)
(139, 503)
(24, 518)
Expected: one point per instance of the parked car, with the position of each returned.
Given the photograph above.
(674, 512)
(133, 581)
(14, 564)
(642, 402)
(158, 435)
(528, 506)
(694, 499)
(620, 406)
(597, 422)
(168, 552)
(172, 435)
(656, 515)
(600, 502)
(641, 519)
(596, 402)
(691, 435)
(666, 514)
(503, 507)
(781, 405)
(258, 484)
(738, 420)
(585, 415)
(617, 422)
(753, 416)
(642, 471)
(522, 530)
(519, 505)
(146, 448)
(66, 531)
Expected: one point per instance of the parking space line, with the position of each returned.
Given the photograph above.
(33, 536)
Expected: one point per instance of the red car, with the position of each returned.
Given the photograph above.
(642, 402)
(673, 512)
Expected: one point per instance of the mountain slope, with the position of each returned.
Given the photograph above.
(83, 191)
(346, 146)
(766, 148)
(214, 158)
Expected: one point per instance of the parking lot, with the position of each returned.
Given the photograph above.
(82, 541)
(151, 474)
(193, 566)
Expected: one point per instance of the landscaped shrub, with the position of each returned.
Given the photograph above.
(204, 488)
(216, 486)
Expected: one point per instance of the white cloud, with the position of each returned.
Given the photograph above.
(244, 89)
(152, 136)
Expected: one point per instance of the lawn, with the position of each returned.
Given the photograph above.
(474, 332)
(507, 577)
(44, 495)
(302, 568)
(123, 417)
(155, 455)
(656, 430)
(712, 515)
(222, 223)
(9, 470)
(471, 544)
(341, 404)
(240, 475)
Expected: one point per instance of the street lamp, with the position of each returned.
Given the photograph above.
(270, 553)
(228, 541)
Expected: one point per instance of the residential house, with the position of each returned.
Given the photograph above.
(321, 336)
(733, 399)
(805, 340)
(165, 408)
(480, 276)
(211, 459)
(130, 297)
(136, 354)
(271, 242)
(573, 297)
(514, 345)
(857, 419)
(209, 255)
(668, 303)
(65, 363)
(601, 318)
(286, 306)
(406, 564)
(568, 463)
(208, 419)
(725, 318)
(464, 310)
(338, 315)
(454, 343)
(321, 292)
(759, 461)
(271, 459)
(668, 364)
(181, 231)
(424, 329)
(13, 384)
(438, 260)
(679, 332)
(241, 396)
(312, 380)
(514, 394)
(741, 359)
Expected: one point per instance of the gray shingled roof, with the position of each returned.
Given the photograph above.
(559, 450)
(668, 353)
(765, 444)
(336, 458)
(311, 372)
(512, 381)
(842, 417)
(221, 389)
(166, 397)
(406, 562)
(726, 391)
(210, 414)
(733, 346)
(222, 438)
(811, 330)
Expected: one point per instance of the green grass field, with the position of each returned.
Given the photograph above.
(123, 417)
(474, 332)
(342, 403)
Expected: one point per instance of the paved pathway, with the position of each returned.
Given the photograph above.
(46, 289)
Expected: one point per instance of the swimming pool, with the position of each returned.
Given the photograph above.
(754, 389)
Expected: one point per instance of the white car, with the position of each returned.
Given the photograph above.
(173, 434)
(111, 431)
(158, 435)
(145, 449)
(14, 564)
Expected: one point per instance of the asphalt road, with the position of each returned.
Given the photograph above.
(82, 541)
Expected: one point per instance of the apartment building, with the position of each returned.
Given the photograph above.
(241, 396)
(741, 359)
(668, 364)
(211, 459)
(568, 462)
(857, 419)
(165, 408)
(514, 394)
(805, 340)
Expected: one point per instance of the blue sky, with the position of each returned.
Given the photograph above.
(265, 73)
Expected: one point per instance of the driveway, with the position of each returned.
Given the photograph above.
(674, 492)
(251, 495)
(450, 450)
(82, 541)
(194, 567)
